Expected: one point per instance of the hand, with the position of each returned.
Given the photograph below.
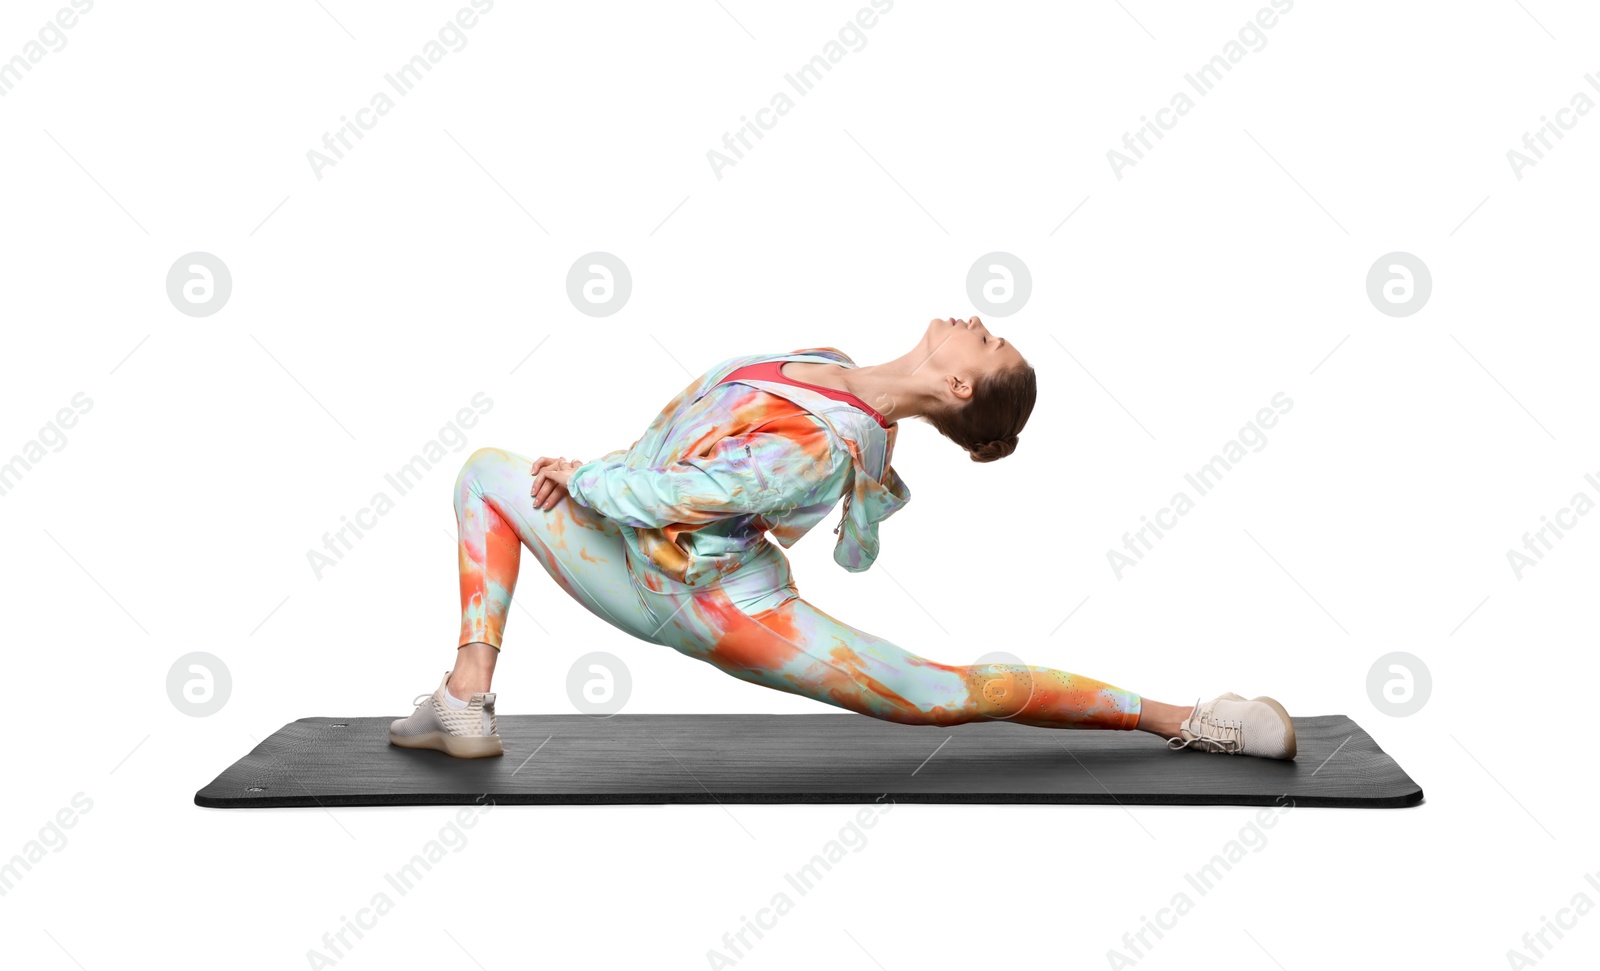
(550, 480)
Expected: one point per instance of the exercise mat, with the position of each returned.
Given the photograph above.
(577, 759)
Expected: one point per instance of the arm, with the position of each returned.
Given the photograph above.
(775, 467)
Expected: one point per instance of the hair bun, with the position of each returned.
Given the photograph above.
(997, 449)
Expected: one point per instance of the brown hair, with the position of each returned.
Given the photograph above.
(987, 425)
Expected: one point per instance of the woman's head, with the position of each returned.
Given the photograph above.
(985, 388)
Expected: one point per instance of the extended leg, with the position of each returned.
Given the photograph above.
(797, 648)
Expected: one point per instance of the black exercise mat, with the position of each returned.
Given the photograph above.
(813, 758)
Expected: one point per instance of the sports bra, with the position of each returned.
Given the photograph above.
(773, 371)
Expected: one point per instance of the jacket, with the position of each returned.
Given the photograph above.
(719, 467)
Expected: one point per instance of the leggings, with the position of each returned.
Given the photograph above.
(751, 623)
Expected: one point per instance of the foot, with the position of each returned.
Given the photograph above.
(1233, 726)
(466, 733)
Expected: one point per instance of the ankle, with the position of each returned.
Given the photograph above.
(1162, 719)
(466, 683)
(473, 671)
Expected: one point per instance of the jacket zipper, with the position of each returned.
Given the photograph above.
(755, 468)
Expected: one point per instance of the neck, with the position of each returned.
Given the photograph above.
(896, 388)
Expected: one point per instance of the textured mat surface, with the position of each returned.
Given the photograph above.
(836, 758)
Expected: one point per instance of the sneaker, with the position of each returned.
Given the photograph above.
(466, 733)
(1233, 726)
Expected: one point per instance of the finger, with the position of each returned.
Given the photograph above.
(539, 464)
(557, 490)
(548, 489)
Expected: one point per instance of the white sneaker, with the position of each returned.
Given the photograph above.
(1233, 726)
(466, 733)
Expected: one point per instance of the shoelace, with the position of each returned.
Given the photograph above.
(1229, 737)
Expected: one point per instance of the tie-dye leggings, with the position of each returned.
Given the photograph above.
(780, 641)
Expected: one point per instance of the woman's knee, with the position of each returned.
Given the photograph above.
(481, 466)
(484, 459)
(930, 693)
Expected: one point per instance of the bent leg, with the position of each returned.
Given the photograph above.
(797, 648)
(581, 550)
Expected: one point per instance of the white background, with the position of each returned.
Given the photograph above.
(374, 302)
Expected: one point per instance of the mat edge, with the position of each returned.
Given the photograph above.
(1401, 801)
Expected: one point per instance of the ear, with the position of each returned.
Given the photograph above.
(959, 387)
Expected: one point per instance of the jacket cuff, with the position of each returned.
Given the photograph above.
(580, 479)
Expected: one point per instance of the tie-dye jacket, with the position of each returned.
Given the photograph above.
(718, 467)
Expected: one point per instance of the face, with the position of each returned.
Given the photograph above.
(960, 351)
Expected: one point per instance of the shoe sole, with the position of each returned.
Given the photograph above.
(460, 746)
(1288, 724)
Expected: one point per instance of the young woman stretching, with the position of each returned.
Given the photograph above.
(667, 541)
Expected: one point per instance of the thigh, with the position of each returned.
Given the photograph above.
(797, 648)
(583, 551)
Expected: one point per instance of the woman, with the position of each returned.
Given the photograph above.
(666, 540)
